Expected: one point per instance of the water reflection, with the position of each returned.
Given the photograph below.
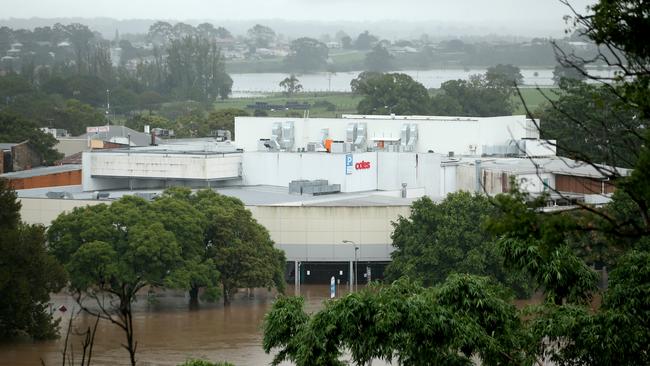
(169, 332)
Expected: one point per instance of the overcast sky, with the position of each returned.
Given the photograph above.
(484, 12)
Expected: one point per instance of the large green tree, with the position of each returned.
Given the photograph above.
(438, 239)
(378, 60)
(591, 123)
(28, 274)
(241, 248)
(111, 252)
(507, 75)
(261, 36)
(307, 55)
(479, 96)
(291, 85)
(390, 93)
(197, 69)
(464, 319)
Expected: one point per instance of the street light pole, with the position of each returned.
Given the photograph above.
(356, 263)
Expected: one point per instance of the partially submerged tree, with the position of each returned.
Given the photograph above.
(111, 253)
(241, 248)
(28, 274)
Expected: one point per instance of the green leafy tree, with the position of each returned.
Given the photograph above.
(478, 96)
(307, 55)
(606, 132)
(291, 85)
(75, 116)
(561, 72)
(113, 251)
(138, 121)
(181, 218)
(346, 42)
(465, 318)
(16, 129)
(261, 36)
(150, 100)
(437, 240)
(365, 41)
(378, 60)
(197, 70)
(224, 119)
(241, 249)
(28, 274)
(390, 93)
(540, 245)
(506, 75)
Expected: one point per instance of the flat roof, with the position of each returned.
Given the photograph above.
(554, 165)
(250, 196)
(7, 145)
(40, 171)
(163, 151)
(414, 118)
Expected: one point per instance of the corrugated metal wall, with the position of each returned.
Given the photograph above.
(51, 180)
(566, 183)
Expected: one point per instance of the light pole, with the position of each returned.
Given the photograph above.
(356, 263)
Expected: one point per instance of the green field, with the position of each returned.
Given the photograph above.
(534, 99)
(346, 103)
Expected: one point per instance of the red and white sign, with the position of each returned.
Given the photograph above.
(362, 165)
(97, 129)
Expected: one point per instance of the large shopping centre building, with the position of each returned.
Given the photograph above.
(323, 186)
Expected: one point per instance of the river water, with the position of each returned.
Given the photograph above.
(250, 84)
(169, 332)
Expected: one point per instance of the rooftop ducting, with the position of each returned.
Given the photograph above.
(413, 137)
(351, 133)
(314, 187)
(404, 135)
(361, 136)
(276, 137)
(287, 141)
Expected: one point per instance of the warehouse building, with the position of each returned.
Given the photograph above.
(328, 189)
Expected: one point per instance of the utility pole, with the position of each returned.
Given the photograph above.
(356, 264)
(108, 107)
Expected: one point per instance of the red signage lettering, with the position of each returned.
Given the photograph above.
(362, 165)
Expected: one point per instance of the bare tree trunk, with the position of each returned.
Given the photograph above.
(226, 295)
(194, 295)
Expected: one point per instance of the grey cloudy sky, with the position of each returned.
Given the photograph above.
(514, 12)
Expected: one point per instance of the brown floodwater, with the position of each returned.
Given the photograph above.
(169, 332)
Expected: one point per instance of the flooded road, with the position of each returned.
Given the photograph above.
(169, 332)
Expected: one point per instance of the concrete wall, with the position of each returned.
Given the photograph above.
(171, 166)
(101, 168)
(25, 157)
(71, 146)
(417, 170)
(280, 168)
(306, 233)
(440, 134)
(316, 233)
